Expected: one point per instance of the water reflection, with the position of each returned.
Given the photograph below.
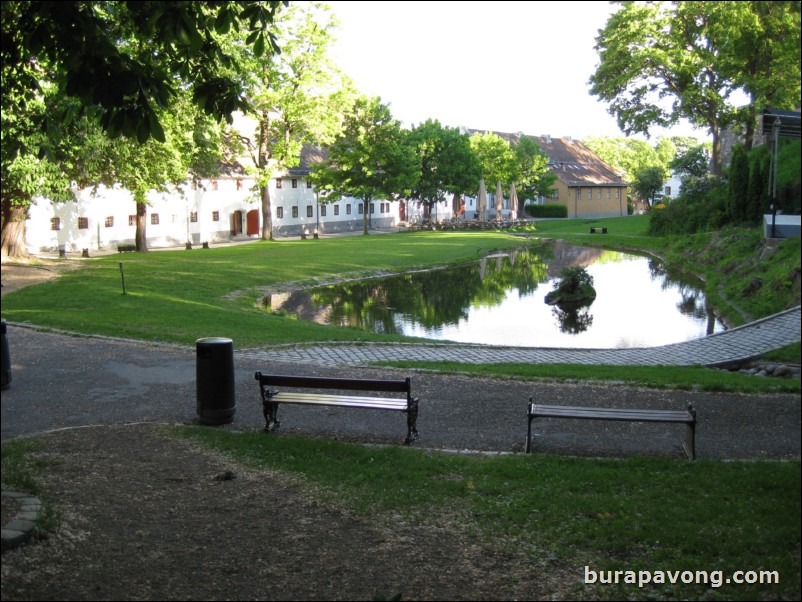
(499, 300)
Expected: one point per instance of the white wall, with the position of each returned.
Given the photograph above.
(175, 227)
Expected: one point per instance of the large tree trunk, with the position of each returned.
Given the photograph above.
(13, 235)
(141, 227)
(267, 217)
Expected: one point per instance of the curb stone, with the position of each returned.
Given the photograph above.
(20, 529)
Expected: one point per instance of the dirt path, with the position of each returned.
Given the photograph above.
(148, 517)
(17, 275)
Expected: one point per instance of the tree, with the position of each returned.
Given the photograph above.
(738, 178)
(648, 182)
(447, 161)
(73, 71)
(763, 57)
(125, 60)
(298, 96)
(626, 155)
(496, 158)
(372, 158)
(193, 146)
(534, 178)
(660, 62)
(690, 162)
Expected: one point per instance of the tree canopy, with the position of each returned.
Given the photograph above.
(297, 98)
(661, 61)
(76, 71)
(371, 158)
(126, 60)
(447, 161)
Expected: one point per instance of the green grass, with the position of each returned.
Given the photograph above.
(629, 232)
(180, 296)
(638, 513)
(655, 377)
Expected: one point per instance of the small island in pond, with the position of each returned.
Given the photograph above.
(575, 288)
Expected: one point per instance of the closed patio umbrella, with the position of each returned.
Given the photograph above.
(499, 201)
(514, 213)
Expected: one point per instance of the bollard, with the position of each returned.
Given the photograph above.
(5, 375)
(216, 402)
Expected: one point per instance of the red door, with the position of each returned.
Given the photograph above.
(253, 222)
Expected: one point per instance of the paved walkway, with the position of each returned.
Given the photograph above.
(728, 347)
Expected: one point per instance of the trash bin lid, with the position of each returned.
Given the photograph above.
(214, 341)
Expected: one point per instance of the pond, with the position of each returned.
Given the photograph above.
(499, 300)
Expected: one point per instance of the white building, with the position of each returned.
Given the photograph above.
(222, 209)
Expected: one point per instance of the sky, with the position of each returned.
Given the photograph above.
(503, 66)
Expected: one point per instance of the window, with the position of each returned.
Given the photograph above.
(323, 210)
(110, 221)
(618, 193)
(55, 223)
(372, 208)
(309, 211)
(215, 216)
(608, 194)
(280, 212)
(361, 208)
(590, 194)
(668, 190)
(193, 216)
(348, 208)
(278, 182)
(132, 220)
(309, 183)
(154, 219)
(578, 194)
(556, 195)
(295, 211)
(598, 196)
(83, 223)
(295, 182)
(336, 210)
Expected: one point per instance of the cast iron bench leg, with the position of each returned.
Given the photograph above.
(412, 419)
(270, 409)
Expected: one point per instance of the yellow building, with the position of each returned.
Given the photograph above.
(586, 185)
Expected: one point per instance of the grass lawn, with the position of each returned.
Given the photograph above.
(633, 514)
(181, 296)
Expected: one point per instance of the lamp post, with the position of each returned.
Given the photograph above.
(775, 132)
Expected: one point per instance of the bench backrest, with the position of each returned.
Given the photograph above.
(320, 382)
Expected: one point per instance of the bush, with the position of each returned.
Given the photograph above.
(702, 206)
(547, 210)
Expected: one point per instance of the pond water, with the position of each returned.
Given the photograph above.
(500, 301)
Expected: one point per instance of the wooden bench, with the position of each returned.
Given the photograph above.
(603, 230)
(271, 398)
(673, 416)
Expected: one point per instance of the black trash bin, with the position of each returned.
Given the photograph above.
(5, 376)
(215, 380)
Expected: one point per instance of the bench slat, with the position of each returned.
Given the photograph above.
(611, 414)
(354, 401)
(319, 382)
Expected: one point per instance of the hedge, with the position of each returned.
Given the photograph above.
(548, 210)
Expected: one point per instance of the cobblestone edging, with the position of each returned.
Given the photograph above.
(21, 527)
